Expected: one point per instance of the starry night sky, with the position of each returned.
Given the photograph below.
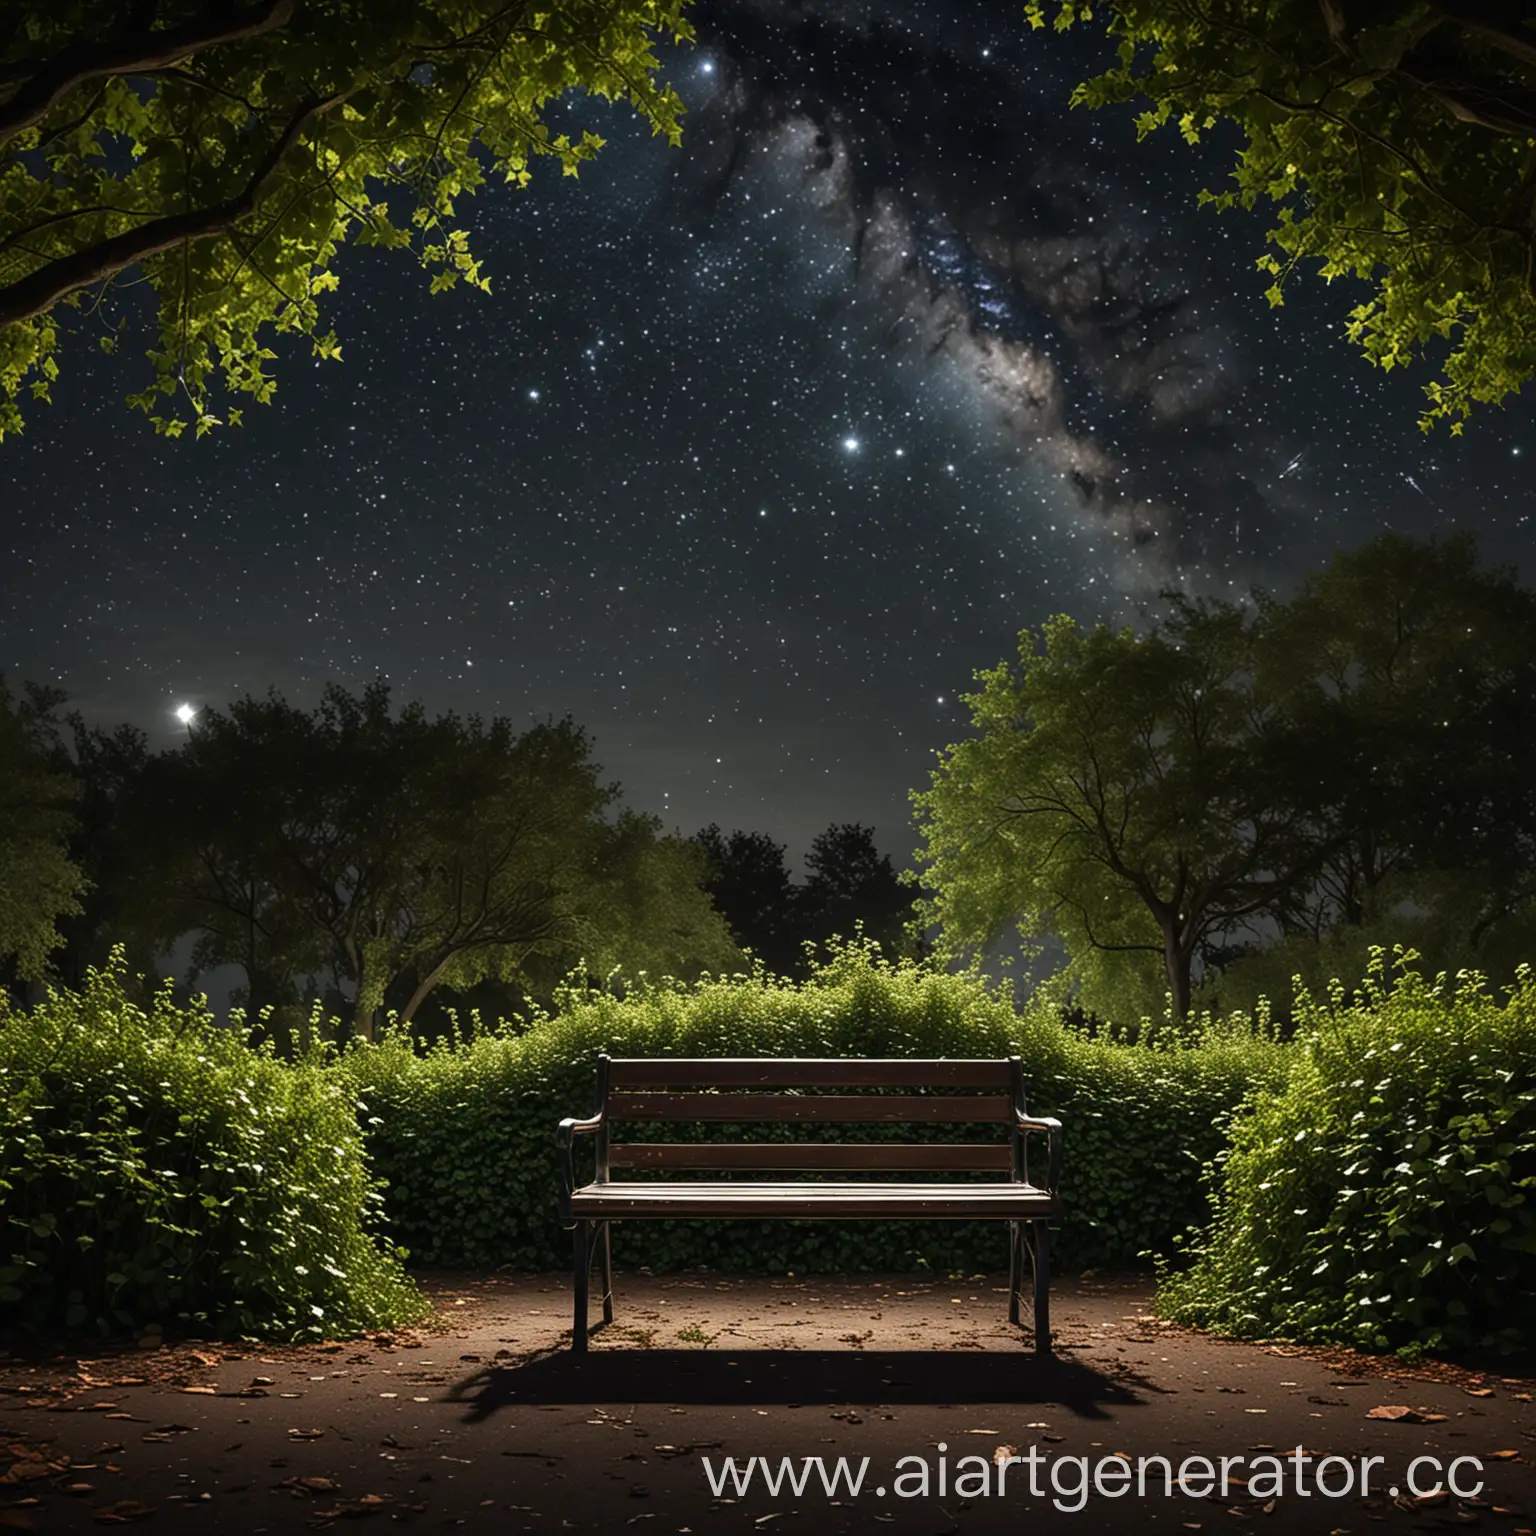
(759, 447)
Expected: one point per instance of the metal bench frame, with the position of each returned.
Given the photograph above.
(646, 1089)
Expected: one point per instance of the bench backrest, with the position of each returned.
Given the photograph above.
(747, 1089)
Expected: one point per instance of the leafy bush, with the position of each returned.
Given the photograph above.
(1382, 1197)
(155, 1168)
(465, 1134)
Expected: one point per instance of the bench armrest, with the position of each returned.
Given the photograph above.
(1052, 1129)
(568, 1130)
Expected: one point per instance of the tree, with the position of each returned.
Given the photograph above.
(406, 853)
(1116, 795)
(225, 152)
(1397, 141)
(852, 885)
(1410, 676)
(39, 882)
(749, 882)
(105, 765)
(1257, 790)
(647, 908)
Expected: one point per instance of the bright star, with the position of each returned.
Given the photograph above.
(851, 444)
(186, 714)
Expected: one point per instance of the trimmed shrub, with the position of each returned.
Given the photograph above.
(157, 1169)
(1383, 1197)
(465, 1134)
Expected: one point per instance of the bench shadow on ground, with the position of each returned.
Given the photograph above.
(792, 1377)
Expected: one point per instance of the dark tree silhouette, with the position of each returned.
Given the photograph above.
(749, 882)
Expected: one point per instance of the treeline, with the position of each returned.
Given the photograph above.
(1253, 790)
(1236, 793)
(851, 887)
(376, 860)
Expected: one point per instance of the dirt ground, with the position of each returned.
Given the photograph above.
(483, 1420)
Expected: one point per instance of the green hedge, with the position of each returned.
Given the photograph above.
(156, 1169)
(1375, 1190)
(465, 1134)
(1384, 1197)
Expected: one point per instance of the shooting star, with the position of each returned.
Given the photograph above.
(1293, 466)
(1414, 485)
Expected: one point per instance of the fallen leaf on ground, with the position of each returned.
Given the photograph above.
(309, 1487)
(368, 1504)
(123, 1512)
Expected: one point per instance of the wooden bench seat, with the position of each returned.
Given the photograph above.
(729, 1092)
(802, 1201)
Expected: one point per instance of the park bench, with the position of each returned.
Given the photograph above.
(758, 1178)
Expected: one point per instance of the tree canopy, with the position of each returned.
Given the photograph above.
(222, 154)
(1115, 796)
(399, 853)
(851, 887)
(748, 880)
(1397, 144)
(1244, 781)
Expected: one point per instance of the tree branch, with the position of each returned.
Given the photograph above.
(40, 290)
(80, 62)
(1499, 114)
(1498, 23)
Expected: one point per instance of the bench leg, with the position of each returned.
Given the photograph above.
(1041, 1252)
(607, 1275)
(1015, 1268)
(582, 1262)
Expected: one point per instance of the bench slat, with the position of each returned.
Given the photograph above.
(987, 1108)
(813, 1201)
(805, 1072)
(955, 1157)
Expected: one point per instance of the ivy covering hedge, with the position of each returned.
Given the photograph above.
(465, 1135)
(1385, 1197)
(157, 1169)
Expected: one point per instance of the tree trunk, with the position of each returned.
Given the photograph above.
(423, 988)
(1178, 961)
(362, 1013)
